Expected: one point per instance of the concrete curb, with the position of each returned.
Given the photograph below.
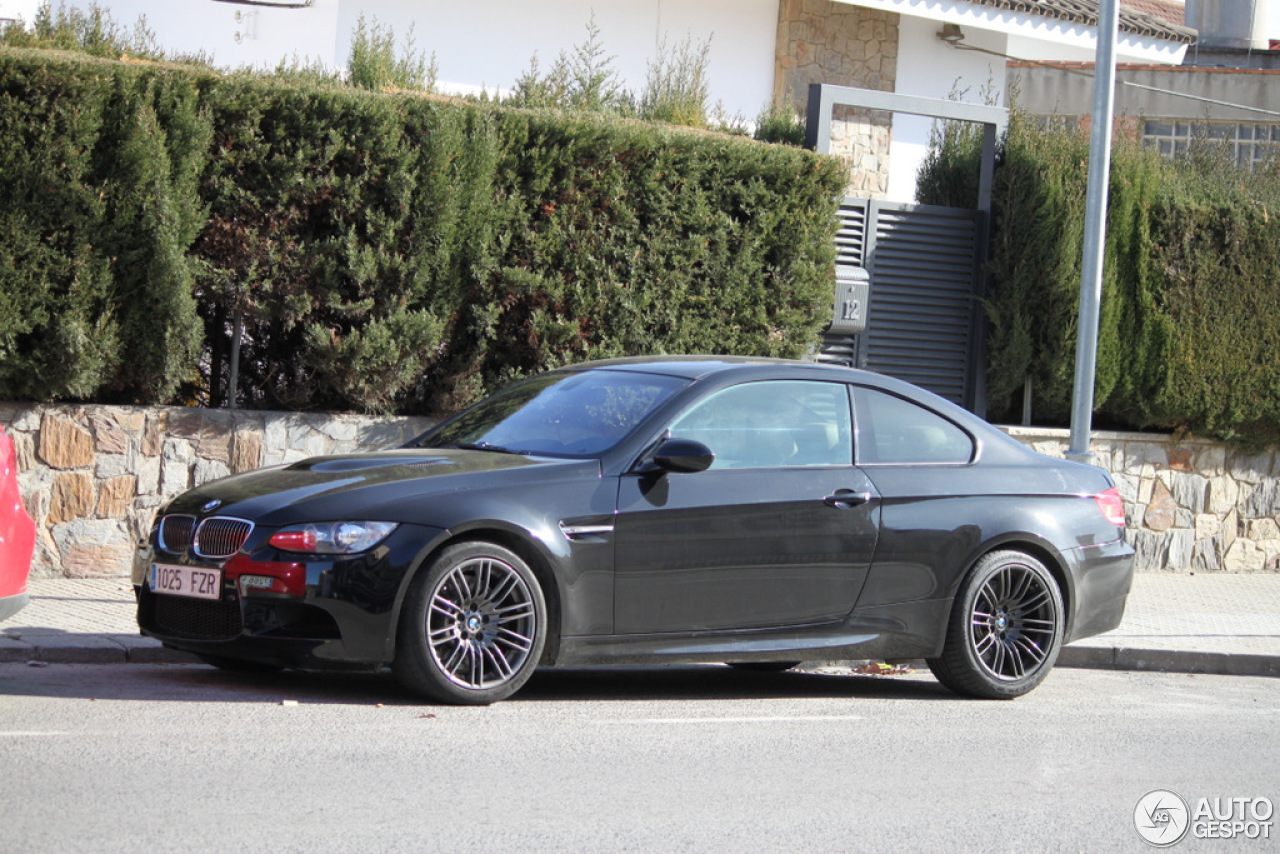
(1122, 658)
(117, 649)
(89, 649)
(127, 649)
(1169, 661)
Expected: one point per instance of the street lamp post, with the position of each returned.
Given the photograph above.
(1095, 231)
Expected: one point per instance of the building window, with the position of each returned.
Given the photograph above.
(1251, 144)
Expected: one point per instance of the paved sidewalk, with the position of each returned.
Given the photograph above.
(1204, 623)
(1215, 623)
(80, 621)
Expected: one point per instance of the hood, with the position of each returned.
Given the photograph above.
(387, 485)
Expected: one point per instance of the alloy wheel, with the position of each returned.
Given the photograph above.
(1014, 622)
(481, 623)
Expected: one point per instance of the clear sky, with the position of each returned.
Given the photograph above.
(24, 9)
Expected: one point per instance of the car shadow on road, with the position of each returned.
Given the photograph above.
(200, 683)
(718, 682)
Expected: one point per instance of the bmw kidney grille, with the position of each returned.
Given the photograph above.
(217, 537)
(175, 533)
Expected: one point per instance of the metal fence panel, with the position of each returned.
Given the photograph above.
(922, 318)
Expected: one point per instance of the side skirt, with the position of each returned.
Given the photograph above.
(904, 630)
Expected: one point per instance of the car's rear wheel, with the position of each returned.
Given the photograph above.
(472, 627)
(1005, 630)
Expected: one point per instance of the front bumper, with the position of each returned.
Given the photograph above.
(322, 612)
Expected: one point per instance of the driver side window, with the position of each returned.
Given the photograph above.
(772, 424)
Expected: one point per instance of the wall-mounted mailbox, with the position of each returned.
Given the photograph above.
(853, 292)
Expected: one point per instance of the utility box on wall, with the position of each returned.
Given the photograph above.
(853, 292)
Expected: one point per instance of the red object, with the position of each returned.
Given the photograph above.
(1111, 505)
(17, 534)
(295, 541)
(285, 577)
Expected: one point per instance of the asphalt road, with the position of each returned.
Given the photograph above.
(181, 758)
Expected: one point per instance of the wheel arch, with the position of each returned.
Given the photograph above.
(1039, 549)
(961, 664)
(520, 542)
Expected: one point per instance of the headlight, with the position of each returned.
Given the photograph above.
(337, 538)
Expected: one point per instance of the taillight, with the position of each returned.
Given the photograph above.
(1111, 505)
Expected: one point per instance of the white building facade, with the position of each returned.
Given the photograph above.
(760, 50)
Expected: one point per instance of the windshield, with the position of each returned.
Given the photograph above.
(559, 414)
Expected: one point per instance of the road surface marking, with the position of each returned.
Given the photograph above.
(760, 720)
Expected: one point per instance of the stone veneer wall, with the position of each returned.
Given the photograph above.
(820, 41)
(1192, 505)
(93, 476)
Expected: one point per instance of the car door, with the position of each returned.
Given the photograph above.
(779, 531)
(930, 497)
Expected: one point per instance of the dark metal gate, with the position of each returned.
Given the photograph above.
(924, 313)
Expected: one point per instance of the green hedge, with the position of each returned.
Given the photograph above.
(378, 252)
(1191, 282)
(98, 181)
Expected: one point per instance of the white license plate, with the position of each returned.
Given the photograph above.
(187, 581)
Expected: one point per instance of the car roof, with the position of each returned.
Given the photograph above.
(696, 367)
(735, 368)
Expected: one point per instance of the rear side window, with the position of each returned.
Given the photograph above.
(894, 430)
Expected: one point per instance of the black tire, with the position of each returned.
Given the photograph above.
(238, 665)
(763, 666)
(472, 627)
(1005, 630)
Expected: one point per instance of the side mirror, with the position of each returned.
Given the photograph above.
(683, 456)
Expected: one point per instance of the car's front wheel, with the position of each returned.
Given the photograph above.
(1005, 630)
(472, 627)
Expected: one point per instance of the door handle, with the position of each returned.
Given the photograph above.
(846, 498)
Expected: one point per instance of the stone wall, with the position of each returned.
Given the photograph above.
(93, 476)
(1192, 506)
(820, 41)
